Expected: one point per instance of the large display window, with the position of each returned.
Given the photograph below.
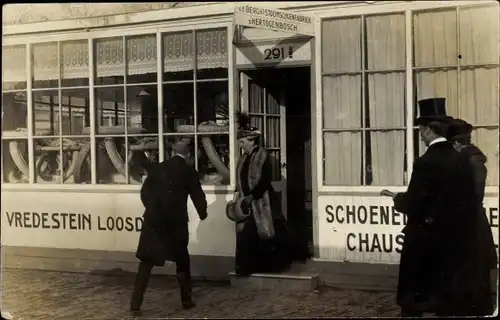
(364, 88)
(104, 110)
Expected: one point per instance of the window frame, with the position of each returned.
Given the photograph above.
(91, 36)
(382, 9)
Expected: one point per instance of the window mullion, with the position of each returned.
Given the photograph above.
(195, 101)
(30, 109)
(363, 102)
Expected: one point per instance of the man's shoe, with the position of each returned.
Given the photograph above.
(188, 305)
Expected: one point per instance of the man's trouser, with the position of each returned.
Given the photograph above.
(181, 258)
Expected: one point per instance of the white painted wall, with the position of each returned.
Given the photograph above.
(336, 244)
(214, 236)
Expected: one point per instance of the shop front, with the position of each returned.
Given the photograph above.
(333, 86)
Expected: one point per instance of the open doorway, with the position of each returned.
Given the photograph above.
(278, 101)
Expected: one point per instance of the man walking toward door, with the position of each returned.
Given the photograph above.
(165, 234)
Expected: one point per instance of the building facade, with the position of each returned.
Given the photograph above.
(89, 101)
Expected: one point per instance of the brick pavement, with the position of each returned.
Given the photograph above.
(33, 294)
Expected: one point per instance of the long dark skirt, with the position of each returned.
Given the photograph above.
(254, 255)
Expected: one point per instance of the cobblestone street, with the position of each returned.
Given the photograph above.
(30, 294)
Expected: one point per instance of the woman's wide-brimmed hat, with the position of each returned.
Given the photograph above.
(459, 130)
(238, 211)
(245, 130)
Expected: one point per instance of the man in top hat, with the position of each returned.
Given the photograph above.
(439, 204)
(459, 134)
(164, 235)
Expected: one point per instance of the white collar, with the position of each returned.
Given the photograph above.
(437, 140)
(179, 155)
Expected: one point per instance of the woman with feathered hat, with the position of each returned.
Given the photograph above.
(261, 231)
(460, 134)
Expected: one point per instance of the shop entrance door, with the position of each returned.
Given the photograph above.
(263, 98)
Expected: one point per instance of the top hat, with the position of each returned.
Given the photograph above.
(459, 130)
(433, 109)
(238, 211)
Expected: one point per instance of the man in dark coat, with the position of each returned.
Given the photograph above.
(164, 235)
(459, 134)
(440, 204)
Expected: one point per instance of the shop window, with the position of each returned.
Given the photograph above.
(456, 57)
(14, 115)
(363, 71)
(61, 112)
(126, 106)
(127, 112)
(195, 99)
(194, 88)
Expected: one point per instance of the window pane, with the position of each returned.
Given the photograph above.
(15, 161)
(14, 112)
(439, 83)
(479, 30)
(76, 155)
(142, 107)
(479, 96)
(386, 100)
(14, 68)
(109, 61)
(74, 62)
(275, 159)
(341, 50)
(342, 163)
(141, 59)
(342, 102)
(213, 159)
(385, 158)
(75, 111)
(178, 56)
(47, 160)
(110, 109)
(487, 141)
(211, 54)
(45, 65)
(212, 105)
(178, 104)
(385, 38)
(272, 134)
(46, 113)
(256, 95)
(111, 160)
(143, 152)
(435, 38)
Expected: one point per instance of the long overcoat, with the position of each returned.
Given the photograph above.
(164, 196)
(439, 262)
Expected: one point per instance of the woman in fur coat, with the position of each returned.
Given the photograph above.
(262, 237)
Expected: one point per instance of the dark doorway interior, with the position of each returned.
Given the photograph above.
(295, 84)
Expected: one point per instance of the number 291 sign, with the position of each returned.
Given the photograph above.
(273, 54)
(279, 53)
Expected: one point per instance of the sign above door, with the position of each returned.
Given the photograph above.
(272, 19)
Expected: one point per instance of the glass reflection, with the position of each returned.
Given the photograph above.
(14, 68)
(15, 161)
(14, 114)
(213, 159)
(178, 108)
